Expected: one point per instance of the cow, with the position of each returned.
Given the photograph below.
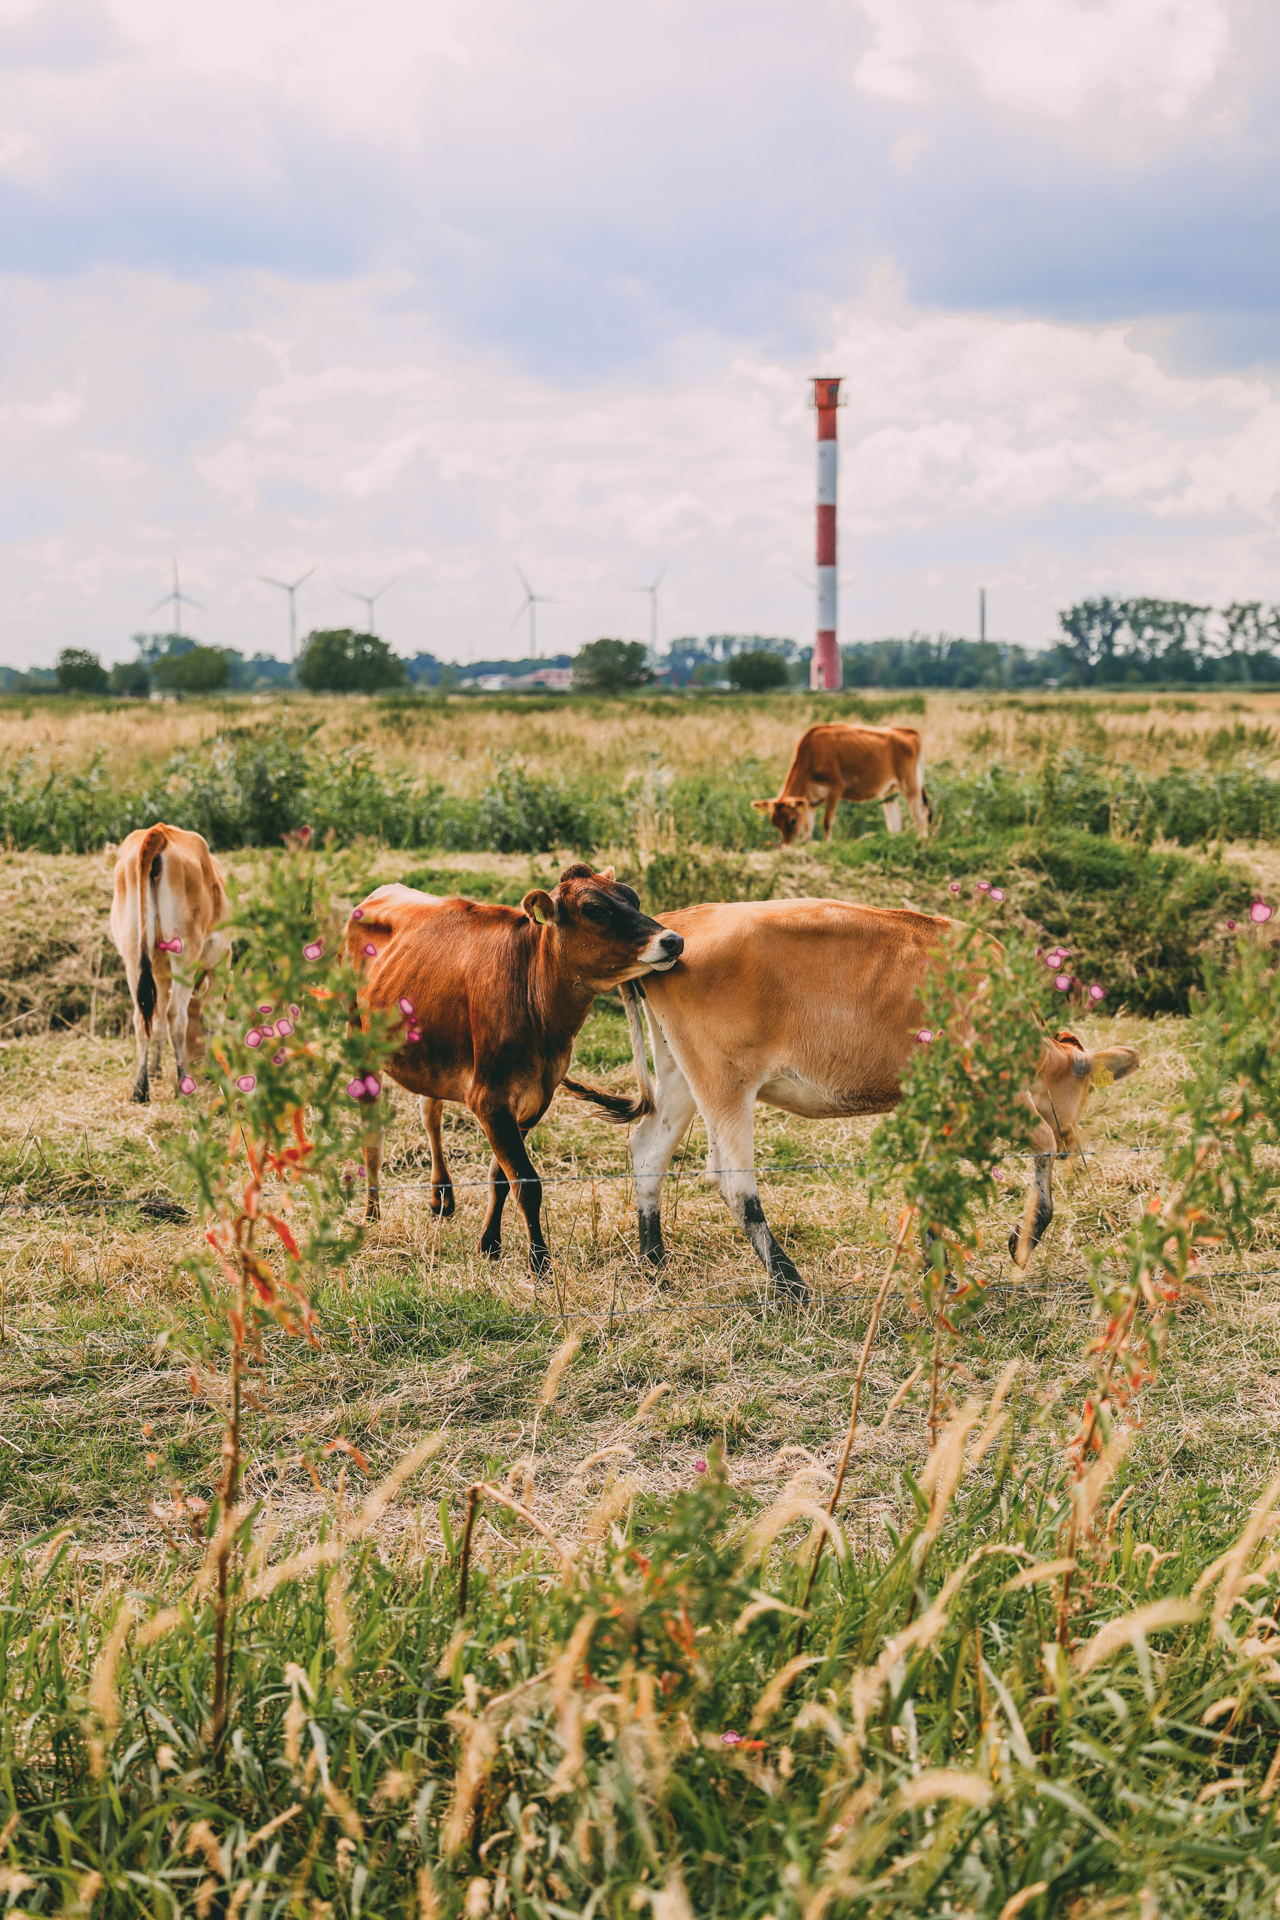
(837, 762)
(169, 897)
(486, 1002)
(811, 1006)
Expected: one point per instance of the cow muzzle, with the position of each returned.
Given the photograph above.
(661, 954)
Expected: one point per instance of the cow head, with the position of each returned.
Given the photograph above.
(1066, 1075)
(792, 818)
(599, 921)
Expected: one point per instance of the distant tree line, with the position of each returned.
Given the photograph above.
(1105, 642)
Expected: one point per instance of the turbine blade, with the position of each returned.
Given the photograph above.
(304, 576)
(165, 602)
(524, 583)
(657, 578)
(267, 581)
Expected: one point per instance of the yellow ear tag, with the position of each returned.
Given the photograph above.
(1102, 1077)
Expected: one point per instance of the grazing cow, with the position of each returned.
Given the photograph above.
(169, 897)
(492, 999)
(838, 762)
(811, 1006)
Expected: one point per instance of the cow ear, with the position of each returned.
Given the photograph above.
(606, 874)
(539, 906)
(1111, 1063)
(762, 806)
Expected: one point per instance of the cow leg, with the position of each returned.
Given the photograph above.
(734, 1173)
(179, 1009)
(432, 1112)
(893, 814)
(829, 813)
(141, 1077)
(160, 1020)
(1038, 1211)
(512, 1167)
(372, 1152)
(654, 1140)
(918, 807)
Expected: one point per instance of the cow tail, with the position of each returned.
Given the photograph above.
(154, 841)
(615, 1108)
(613, 1105)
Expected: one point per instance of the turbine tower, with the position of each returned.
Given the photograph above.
(652, 591)
(178, 600)
(370, 599)
(825, 671)
(530, 604)
(290, 587)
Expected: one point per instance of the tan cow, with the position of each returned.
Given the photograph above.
(836, 762)
(169, 897)
(811, 1006)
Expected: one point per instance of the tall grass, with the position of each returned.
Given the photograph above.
(1051, 1692)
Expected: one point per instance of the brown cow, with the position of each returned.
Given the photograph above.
(169, 896)
(811, 1006)
(492, 999)
(837, 762)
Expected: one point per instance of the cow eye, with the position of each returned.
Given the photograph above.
(594, 910)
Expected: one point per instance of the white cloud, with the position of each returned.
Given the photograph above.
(1055, 57)
(346, 434)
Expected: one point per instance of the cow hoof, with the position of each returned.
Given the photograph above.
(539, 1261)
(790, 1282)
(372, 1210)
(442, 1202)
(1013, 1251)
(141, 1096)
(491, 1249)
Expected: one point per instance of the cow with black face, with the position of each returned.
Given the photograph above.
(490, 1000)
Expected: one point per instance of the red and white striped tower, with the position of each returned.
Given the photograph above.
(825, 672)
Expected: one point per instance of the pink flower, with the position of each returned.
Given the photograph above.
(984, 886)
(699, 1466)
(955, 886)
(405, 1004)
(370, 950)
(997, 894)
(246, 1083)
(295, 1011)
(372, 1085)
(278, 1059)
(304, 834)
(355, 1089)
(1053, 958)
(1062, 981)
(268, 1033)
(413, 1033)
(732, 1738)
(265, 1006)
(1260, 912)
(314, 949)
(357, 913)
(997, 1173)
(1096, 992)
(253, 1038)
(186, 1084)
(924, 1036)
(284, 1028)
(1231, 926)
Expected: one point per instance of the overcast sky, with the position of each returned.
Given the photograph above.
(404, 288)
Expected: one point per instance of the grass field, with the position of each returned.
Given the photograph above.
(102, 1438)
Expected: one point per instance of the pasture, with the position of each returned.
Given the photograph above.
(1130, 828)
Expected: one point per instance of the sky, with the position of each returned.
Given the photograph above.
(425, 293)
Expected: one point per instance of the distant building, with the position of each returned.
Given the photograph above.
(554, 679)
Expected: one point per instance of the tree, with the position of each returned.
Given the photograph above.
(80, 671)
(129, 679)
(339, 660)
(612, 666)
(758, 672)
(198, 670)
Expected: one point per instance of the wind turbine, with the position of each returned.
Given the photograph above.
(532, 601)
(370, 599)
(652, 591)
(177, 599)
(290, 587)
